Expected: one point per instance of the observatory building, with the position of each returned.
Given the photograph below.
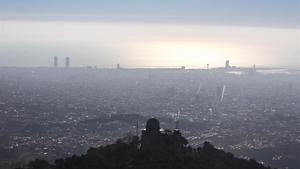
(154, 137)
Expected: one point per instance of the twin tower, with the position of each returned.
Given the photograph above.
(67, 62)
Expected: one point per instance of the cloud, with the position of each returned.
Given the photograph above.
(271, 13)
(105, 44)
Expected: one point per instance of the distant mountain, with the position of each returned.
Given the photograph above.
(157, 149)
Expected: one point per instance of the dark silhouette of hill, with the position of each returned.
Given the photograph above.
(156, 149)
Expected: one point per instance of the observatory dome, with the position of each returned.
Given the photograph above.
(152, 125)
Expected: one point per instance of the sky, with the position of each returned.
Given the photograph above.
(143, 33)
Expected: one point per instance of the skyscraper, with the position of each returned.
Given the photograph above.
(67, 62)
(55, 61)
(254, 68)
(227, 64)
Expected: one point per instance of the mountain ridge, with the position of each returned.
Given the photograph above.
(156, 149)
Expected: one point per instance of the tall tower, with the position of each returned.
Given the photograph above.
(177, 118)
(55, 61)
(254, 68)
(137, 128)
(227, 64)
(220, 93)
(118, 66)
(67, 62)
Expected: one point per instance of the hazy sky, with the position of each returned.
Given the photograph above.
(150, 32)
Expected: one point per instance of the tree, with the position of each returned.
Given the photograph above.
(39, 164)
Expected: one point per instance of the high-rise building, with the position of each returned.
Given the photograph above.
(118, 66)
(55, 61)
(67, 62)
(254, 68)
(227, 64)
(207, 66)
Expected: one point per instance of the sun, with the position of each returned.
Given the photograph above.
(182, 53)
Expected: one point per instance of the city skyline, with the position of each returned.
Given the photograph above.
(143, 84)
(150, 34)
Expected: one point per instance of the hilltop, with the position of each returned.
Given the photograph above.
(159, 149)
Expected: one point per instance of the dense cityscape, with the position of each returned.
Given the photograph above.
(57, 112)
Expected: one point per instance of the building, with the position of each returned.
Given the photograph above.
(154, 137)
(55, 61)
(227, 64)
(67, 62)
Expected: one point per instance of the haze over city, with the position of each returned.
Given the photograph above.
(150, 33)
(149, 84)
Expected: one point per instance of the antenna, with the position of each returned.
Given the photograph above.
(177, 118)
(223, 93)
(137, 128)
(199, 89)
